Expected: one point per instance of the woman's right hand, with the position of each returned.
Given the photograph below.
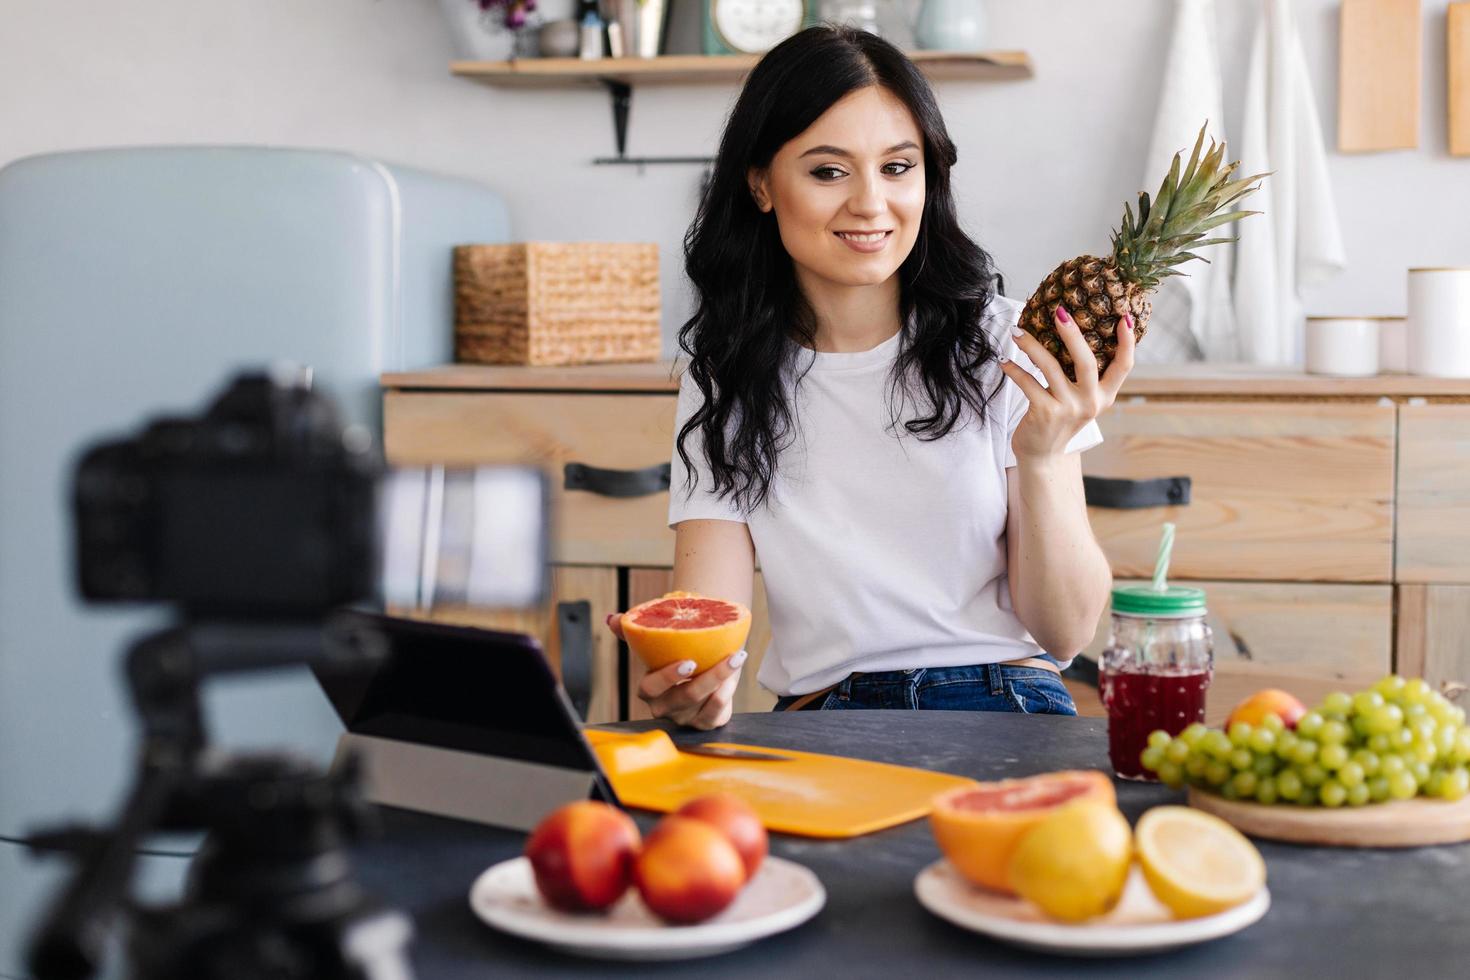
(705, 702)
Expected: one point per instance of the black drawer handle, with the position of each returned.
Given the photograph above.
(617, 483)
(1168, 491)
(574, 628)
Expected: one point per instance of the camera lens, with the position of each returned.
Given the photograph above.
(463, 537)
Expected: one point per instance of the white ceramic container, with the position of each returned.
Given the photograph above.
(1439, 322)
(1393, 345)
(1344, 347)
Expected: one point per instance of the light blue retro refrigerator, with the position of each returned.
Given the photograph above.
(135, 282)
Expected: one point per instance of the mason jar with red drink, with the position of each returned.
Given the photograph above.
(1155, 670)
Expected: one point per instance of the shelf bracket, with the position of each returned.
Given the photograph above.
(621, 94)
(622, 101)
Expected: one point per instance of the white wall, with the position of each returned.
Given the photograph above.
(1045, 164)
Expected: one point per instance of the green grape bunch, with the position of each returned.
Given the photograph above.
(1394, 741)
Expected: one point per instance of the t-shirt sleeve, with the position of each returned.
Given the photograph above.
(700, 503)
(1017, 404)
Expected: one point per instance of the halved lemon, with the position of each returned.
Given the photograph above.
(1196, 863)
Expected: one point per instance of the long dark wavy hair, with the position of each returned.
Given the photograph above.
(750, 308)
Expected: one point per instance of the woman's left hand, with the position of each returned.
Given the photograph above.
(1059, 412)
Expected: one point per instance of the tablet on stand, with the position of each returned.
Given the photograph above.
(466, 723)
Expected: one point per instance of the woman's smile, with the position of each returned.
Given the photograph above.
(866, 242)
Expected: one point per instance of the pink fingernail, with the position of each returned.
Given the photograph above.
(1062, 315)
(611, 617)
(686, 668)
(1129, 318)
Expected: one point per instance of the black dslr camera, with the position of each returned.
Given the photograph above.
(259, 520)
(265, 505)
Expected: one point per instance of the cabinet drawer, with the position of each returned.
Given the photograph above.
(1434, 494)
(613, 432)
(1280, 490)
(1308, 639)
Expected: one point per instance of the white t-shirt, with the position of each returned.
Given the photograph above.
(879, 551)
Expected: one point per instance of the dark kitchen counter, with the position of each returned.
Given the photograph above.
(1335, 913)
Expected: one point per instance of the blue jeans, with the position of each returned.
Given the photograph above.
(980, 687)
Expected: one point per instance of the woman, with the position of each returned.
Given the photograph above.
(855, 412)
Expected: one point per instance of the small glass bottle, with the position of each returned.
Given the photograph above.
(1156, 669)
(590, 48)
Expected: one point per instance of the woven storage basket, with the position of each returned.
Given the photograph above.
(545, 303)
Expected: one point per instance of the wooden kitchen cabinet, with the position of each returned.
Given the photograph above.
(1434, 489)
(1297, 492)
(608, 432)
(1434, 633)
(1329, 519)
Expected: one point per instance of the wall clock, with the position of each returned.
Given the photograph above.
(750, 26)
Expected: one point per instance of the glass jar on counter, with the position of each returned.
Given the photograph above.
(1156, 669)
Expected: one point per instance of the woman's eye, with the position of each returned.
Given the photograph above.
(832, 173)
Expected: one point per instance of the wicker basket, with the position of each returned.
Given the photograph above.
(545, 303)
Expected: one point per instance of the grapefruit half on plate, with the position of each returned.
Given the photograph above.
(979, 827)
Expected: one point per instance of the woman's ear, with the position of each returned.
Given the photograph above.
(757, 180)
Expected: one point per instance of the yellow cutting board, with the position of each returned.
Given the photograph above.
(811, 795)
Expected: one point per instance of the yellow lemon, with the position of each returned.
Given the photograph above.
(1074, 863)
(1196, 863)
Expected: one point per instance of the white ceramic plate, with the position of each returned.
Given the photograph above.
(1138, 924)
(781, 896)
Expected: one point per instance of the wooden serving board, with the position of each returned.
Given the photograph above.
(1400, 823)
(1379, 70)
(1457, 20)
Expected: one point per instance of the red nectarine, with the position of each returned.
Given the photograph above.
(734, 818)
(582, 855)
(688, 871)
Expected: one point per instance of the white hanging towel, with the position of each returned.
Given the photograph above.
(1194, 309)
(1297, 242)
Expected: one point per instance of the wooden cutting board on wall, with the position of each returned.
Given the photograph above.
(1458, 29)
(1378, 76)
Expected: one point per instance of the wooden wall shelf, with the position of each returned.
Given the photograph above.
(619, 76)
(694, 69)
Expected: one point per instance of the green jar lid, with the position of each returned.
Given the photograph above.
(1144, 600)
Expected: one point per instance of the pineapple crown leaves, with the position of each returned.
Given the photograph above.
(1190, 202)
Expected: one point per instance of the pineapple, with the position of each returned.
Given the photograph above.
(1098, 291)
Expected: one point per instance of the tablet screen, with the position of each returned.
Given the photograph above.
(456, 687)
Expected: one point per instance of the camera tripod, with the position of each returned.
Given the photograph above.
(270, 892)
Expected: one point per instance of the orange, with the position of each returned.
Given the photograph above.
(1269, 701)
(685, 626)
(979, 827)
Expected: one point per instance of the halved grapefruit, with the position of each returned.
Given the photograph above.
(979, 827)
(685, 626)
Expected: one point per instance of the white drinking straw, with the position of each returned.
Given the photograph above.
(1161, 566)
